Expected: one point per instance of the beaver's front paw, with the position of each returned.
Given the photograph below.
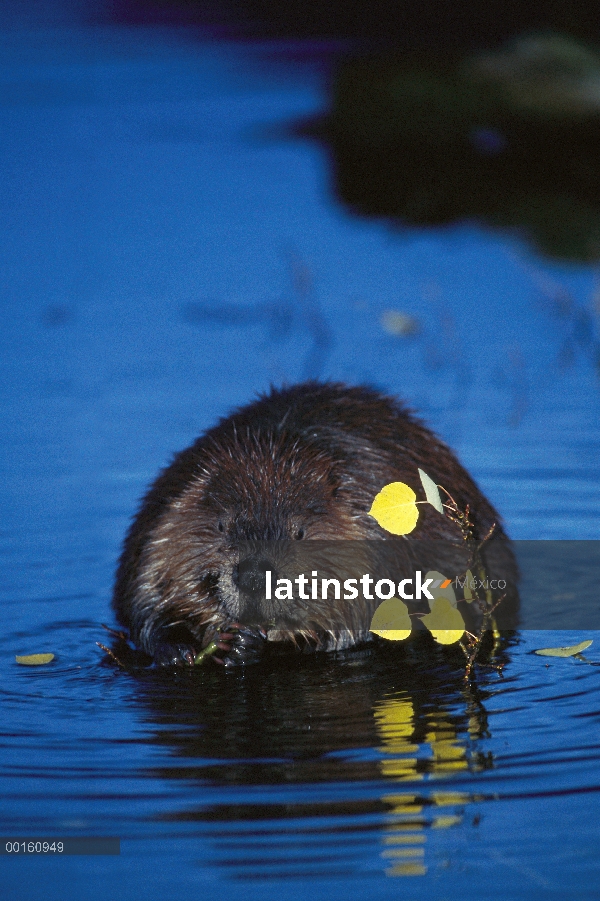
(175, 646)
(171, 653)
(241, 645)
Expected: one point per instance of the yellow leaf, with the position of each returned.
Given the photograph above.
(444, 622)
(443, 590)
(565, 652)
(391, 620)
(34, 659)
(394, 508)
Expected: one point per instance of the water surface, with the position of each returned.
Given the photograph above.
(169, 249)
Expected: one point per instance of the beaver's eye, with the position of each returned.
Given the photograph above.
(221, 527)
(299, 535)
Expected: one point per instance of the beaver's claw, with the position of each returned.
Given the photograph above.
(174, 653)
(241, 645)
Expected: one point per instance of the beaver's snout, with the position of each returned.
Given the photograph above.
(250, 576)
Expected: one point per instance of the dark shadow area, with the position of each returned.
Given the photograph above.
(442, 113)
(510, 138)
(428, 24)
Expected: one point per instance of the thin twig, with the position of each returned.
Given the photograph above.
(114, 632)
(111, 654)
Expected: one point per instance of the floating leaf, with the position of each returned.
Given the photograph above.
(443, 588)
(397, 323)
(565, 652)
(444, 622)
(394, 508)
(391, 620)
(432, 492)
(34, 659)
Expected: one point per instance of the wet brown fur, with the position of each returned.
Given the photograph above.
(311, 458)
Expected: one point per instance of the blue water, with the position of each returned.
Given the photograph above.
(168, 250)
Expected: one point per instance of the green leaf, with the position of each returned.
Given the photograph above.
(565, 652)
(394, 508)
(444, 622)
(34, 659)
(432, 492)
(391, 620)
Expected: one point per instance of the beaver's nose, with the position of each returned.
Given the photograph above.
(250, 576)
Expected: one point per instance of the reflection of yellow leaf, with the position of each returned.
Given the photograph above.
(391, 620)
(445, 822)
(444, 622)
(565, 652)
(406, 869)
(447, 799)
(394, 508)
(34, 659)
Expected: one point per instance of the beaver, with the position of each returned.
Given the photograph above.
(298, 467)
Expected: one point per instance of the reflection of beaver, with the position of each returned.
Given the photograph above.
(301, 463)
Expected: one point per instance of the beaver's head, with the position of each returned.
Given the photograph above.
(266, 496)
(268, 499)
